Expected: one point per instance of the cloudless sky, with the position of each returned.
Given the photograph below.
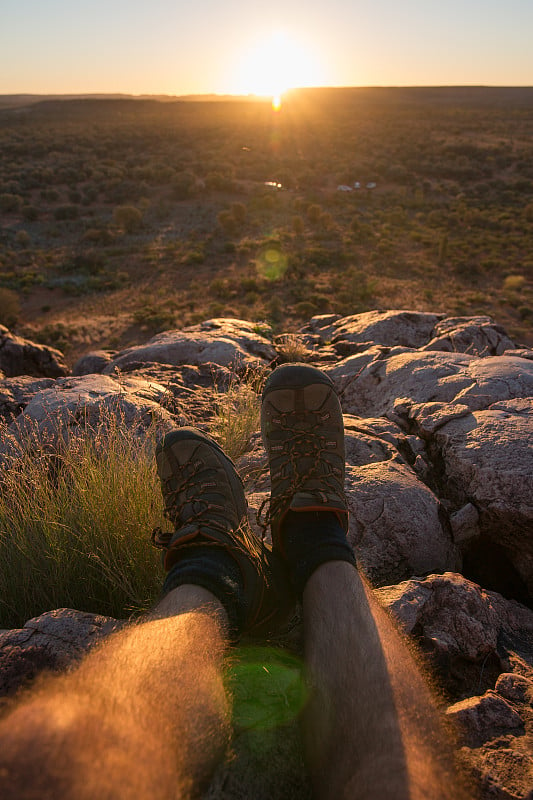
(202, 46)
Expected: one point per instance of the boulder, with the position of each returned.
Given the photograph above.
(71, 404)
(91, 363)
(51, 641)
(20, 356)
(486, 460)
(481, 719)
(429, 387)
(16, 393)
(395, 523)
(391, 328)
(472, 635)
(226, 342)
(479, 336)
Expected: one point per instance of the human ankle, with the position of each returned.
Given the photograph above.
(312, 538)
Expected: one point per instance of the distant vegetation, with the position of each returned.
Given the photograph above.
(122, 217)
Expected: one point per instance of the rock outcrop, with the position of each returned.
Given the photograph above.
(439, 452)
(226, 342)
(22, 357)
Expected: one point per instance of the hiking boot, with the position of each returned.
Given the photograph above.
(204, 500)
(303, 433)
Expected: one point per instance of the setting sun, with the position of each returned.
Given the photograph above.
(274, 64)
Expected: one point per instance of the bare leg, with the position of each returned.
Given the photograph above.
(143, 716)
(372, 728)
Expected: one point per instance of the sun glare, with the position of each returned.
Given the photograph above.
(274, 64)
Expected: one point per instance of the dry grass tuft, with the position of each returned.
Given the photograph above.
(292, 349)
(75, 520)
(237, 412)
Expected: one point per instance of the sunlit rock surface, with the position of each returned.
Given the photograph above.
(439, 466)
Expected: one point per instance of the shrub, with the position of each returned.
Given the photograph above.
(10, 202)
(227, 222)
(298, 225)
(514, 283)
(9, 307)
(314, 213)
(128, 218)
(30, 213)
(238, 211)
(183, 186)
(22, 238)
(66, 212)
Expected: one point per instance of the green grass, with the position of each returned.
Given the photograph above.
(75, 523)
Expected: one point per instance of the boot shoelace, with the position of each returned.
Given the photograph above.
(300, 443)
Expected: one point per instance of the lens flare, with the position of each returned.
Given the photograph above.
(276, 103)
(272, 263)
(267, 686)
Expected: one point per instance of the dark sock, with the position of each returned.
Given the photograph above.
(214, 569)
(311, 538)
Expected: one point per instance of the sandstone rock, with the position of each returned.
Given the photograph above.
(229, 343)
(92, 363)
(395, 523)
(465, 524)
(475, 335)
(91, 400)
(391, 328)
(16, 393)
(438, 461)
(462, 625)
(48, 642)
(22, 357)
(516, 688)
(431, 383)
(504, 773)
(486, 459)
(483, 718)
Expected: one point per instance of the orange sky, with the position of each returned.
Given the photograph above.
(212, 46)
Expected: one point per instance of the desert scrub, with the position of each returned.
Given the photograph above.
(75, 521)
(291, 348)
(237, 412)
(9, 307)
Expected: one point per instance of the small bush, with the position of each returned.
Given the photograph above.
(10, 202)
(128, 218)
(514, 283)
(22, 238)
(66, 212)
(9, 307)
(30, 213)
(298, 225)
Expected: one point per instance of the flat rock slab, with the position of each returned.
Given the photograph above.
(391, 328)
(226, 342)
(20, 356)
(402, 384)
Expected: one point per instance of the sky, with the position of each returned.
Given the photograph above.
(230, 46)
